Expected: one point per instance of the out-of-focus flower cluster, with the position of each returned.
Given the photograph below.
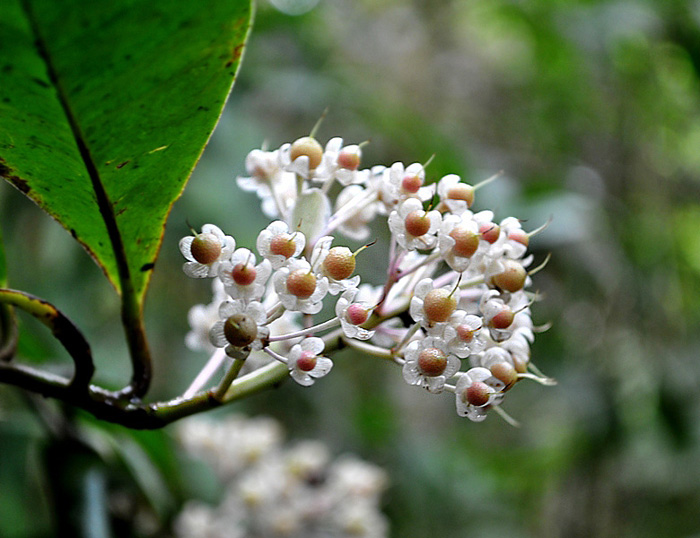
(462, 276)
(272, 489)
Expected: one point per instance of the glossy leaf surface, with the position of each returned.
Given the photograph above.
(107, 106)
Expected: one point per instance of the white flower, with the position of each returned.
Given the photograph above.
(310, 159)
(345, 260)
(432, 307)
(463, 334)
(242, 278)
(206, 251)
(240, 329)
(401, 183)
(518, 345)
(277, 244)
(360, 520)
(275, 187)
(505, 313)
(307, 460)
(513, 238)
(352, 315)
(490, 357)
(341, 162)
(350, 477)
(456, 196)
(202, 317)
(473, 394)
(458, 241)
(304, 362)
(412, 227)
(298, 288)
(429, 364)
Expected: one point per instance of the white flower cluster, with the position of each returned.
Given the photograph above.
(272, 489)
(461, 275)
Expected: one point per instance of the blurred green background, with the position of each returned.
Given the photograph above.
(591, 109)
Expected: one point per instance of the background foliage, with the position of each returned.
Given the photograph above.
(591, 109)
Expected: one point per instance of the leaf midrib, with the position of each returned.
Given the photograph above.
(105, 206)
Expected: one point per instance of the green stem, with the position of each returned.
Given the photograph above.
(370, 349)
(230, 376)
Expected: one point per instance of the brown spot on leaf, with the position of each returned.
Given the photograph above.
(121, 165)
(236, 55)
(147, 266)
(6, 172)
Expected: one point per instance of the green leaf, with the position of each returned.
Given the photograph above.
(106, 108)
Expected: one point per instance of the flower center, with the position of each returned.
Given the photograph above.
(411, 184)
(307, 147)
(417, 223)
(519, 236)
(465, 333)
(466, 241)
(505, 372)
(356, 314)
(477, 394)
(240, 330)
(206, 248)
(243, 274)
(307, 361)
(283, 245)
(490, 232)
(349, 158)
(432, 361)
(503, 319)
(339, 263)
(512, 278)
(301, 283)
(438, 305)
(463, 192)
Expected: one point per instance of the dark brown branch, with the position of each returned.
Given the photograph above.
(62, 328)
